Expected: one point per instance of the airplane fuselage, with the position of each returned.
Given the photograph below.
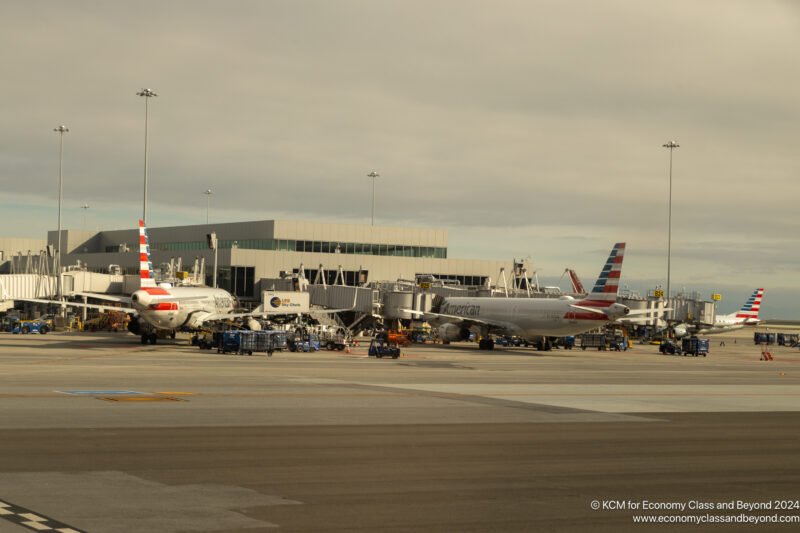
(725, 323)
(176, 307)
(532, 317)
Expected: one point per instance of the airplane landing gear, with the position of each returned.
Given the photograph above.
(486, 344)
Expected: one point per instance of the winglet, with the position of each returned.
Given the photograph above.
(145, 264)
(607, 284)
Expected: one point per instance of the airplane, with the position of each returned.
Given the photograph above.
(161, 307)
(746, 316)
(534, 319)
(577, 286)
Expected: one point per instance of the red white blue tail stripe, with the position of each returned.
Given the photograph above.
(145, 265)
(577, 286)
(607, 284)
(604, 294)
(751, 308)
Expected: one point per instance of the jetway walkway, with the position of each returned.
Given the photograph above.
(26, 286)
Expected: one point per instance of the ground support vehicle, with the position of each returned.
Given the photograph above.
(568, 342)
(604, 341)
(669, 347)
(7, 323)
(335, 342)
(419, 336)
(230, 341)
(399, 337)
(30, 326)
(381, 348)
(760, 337)
(510, 340)
(594, 340)
(694, 346)
(108, 321)
(788, 339)
(245, 341)
(618, 343)
(307, 342)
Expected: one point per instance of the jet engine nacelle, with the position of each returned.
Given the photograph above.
(253, 324)
(680, 331)
(453, 332)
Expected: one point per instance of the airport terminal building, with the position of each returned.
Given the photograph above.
(250, 254)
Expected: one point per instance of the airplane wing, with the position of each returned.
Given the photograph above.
(589, 309)
(76, 304)
(108, 297)
(261, 313)
(454, 318)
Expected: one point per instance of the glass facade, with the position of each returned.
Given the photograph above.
(469, 281)
(324, 247)
(238, 280)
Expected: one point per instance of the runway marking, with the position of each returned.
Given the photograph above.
(35, 521)
(128, 395)
(139, 399)
(99, 392)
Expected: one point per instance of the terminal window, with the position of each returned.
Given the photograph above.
(242, 280)
(324, 247)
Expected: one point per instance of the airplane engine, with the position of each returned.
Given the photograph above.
(680, 331)
(253, 324)
(452, 332)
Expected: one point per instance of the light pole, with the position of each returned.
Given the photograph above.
(373, 175)
(84, 207)
(208, 193)
(147, 94)
(671, 145)
(61, 130)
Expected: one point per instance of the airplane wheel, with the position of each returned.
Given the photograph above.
(144, 339)
(490, 344)
(153, 338)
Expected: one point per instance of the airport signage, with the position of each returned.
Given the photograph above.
(285, 302)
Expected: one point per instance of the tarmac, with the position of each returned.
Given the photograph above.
(100, 433)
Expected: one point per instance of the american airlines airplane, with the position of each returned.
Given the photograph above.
(746, 316)
(534, 319)
(162, 307)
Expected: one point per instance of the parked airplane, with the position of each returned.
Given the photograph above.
(746, 316)
(577, 286)
(535, 319)
(166, 308)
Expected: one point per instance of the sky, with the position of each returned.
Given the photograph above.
(528, 129)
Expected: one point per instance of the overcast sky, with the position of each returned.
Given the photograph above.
(525, 128)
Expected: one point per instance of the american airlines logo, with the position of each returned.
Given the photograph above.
(461, 310)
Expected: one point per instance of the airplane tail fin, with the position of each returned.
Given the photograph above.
(577, 286)
(145, 264)
(750, 309)
(605, 288)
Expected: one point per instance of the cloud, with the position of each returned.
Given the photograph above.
(526, 124)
